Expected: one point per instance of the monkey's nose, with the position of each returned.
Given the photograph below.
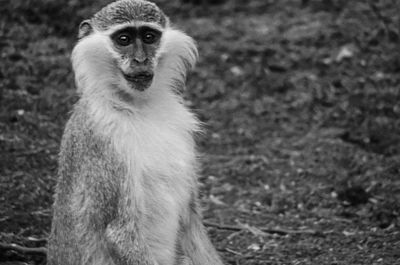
(140, 60)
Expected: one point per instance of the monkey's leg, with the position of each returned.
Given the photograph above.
(195, 242)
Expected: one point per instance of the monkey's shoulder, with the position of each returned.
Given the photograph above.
(78, 137)
(82, 149)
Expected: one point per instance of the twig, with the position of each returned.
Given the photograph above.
(237, 253)
(37, 240)
(25, 250)
(233, 252)
(239, 157)
(278, 231)
(235, 159)
(31, 152)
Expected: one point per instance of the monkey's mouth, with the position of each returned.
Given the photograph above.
(140, 80)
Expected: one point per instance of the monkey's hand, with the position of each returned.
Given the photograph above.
(126, 245)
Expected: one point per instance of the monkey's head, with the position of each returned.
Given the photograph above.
(131, 31)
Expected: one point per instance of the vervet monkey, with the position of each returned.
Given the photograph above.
(127, 189)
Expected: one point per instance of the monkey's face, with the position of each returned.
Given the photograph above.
(136, 49)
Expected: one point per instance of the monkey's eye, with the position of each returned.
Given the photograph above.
(149, 37)
(123, 40)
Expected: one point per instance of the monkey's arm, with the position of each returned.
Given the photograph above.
(104, 235)
(111, 238)
(122, 233)
(195, 242)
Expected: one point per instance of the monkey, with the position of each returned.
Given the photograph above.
(127, 188)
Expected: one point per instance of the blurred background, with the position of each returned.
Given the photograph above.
(301, 101)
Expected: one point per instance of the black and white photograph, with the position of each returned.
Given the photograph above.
(199, 132)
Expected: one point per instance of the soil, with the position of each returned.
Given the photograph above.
(301, 106)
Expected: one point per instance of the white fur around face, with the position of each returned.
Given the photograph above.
(153, 134)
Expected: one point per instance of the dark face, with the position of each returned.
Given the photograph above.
(137, 47)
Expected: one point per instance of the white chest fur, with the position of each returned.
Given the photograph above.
(158, 152)
(166, 164)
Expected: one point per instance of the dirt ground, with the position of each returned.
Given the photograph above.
(301, 101)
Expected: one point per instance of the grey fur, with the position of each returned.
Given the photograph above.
(83, 172)
(123, 11)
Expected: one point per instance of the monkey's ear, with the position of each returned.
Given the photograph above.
(85, 28)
